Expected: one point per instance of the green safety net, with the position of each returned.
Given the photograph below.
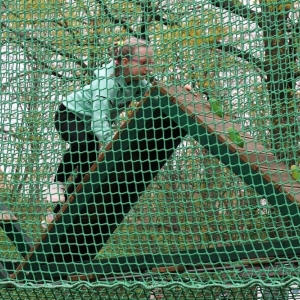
(197, 195)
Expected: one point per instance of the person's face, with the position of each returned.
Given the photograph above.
(139, 65)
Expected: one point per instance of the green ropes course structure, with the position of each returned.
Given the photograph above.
(197, 196)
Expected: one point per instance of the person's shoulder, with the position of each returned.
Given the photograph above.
(104, 77)
(105, 71)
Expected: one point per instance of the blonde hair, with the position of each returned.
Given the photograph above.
(127, 49)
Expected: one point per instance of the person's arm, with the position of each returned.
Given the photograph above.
(100, 122)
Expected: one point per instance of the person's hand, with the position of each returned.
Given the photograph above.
(189, 88)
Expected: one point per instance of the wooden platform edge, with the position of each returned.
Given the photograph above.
(278, 175)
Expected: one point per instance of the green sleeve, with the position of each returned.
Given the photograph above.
(100, 122)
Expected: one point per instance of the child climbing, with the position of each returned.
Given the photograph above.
(84, 118)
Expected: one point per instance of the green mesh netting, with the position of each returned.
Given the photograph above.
(197, 195)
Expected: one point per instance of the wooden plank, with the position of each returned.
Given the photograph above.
(245, 265)
(170, 269)
(196, 108)
(263, 184)
(135, 178)
(214, 257)
(259, 158)
(84, 277)
(292, 193)
(39, 252)
(125, 171)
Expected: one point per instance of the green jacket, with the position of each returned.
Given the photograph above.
(98, 104)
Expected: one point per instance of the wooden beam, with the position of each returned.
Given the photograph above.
(208, 258)
(196, 119)
(254, 153)
(108, 192)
